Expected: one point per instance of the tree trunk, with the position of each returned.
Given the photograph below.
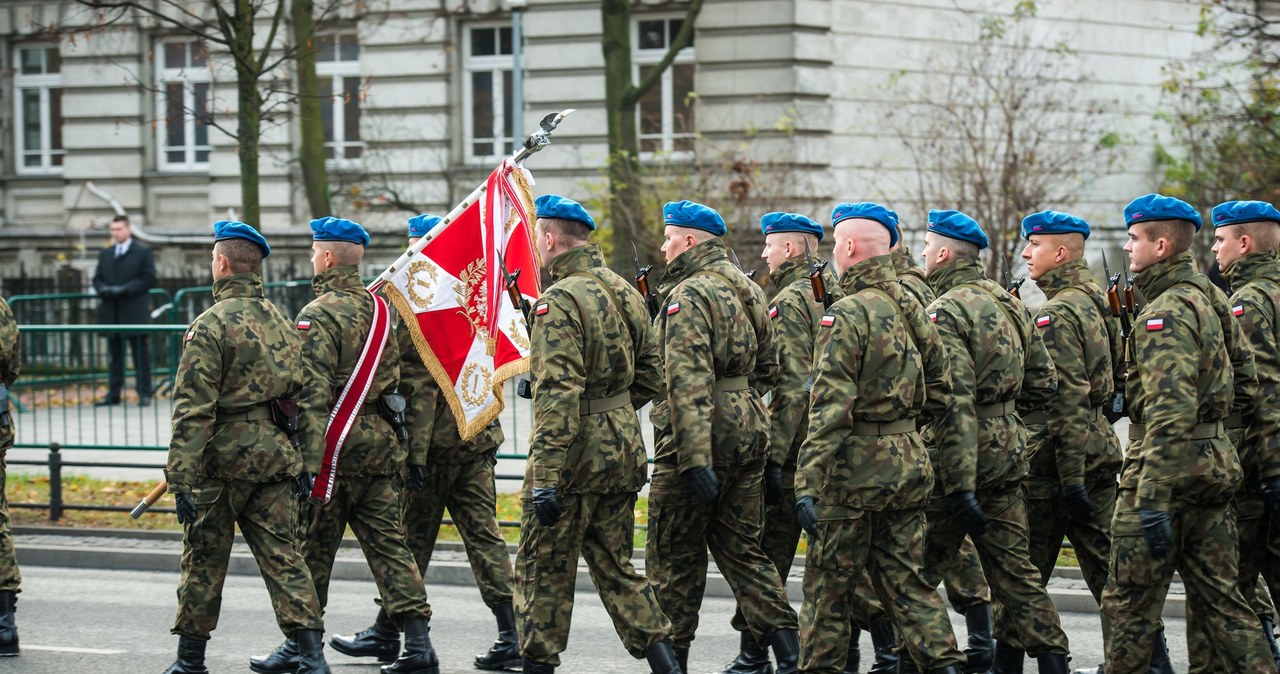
(624, 147)
(315, 178)
(249, 111)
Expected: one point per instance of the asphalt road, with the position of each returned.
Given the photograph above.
(117, 622)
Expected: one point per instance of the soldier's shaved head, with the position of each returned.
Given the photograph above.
(242, 255)
(782, 246)
(1232, 242)
(1046, 252)
(678, 240)
(940, 251)
(345, 254)
(572, 230)
(1156, 240)
(858, 239)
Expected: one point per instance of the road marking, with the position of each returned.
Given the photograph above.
(72, 649)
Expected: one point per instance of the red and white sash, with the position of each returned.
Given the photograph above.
(352, 398)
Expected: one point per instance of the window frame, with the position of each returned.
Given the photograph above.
(648, 57)
(189, 77)
(496, 64)
(43, 83)
(338, 72)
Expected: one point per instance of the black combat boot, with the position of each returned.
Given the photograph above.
(283, 660)
(8, 627)
(311, 652)
(531, 667)
(1008, 659)
(381, 640)
(505, 652)
(854, 658)
(786, 650)
(949, 669)
(981, 649)
(752, 657)
(882, 641)
(1052, 663)
(662, 659)
(682, 657)
(190, 657)
(1159, 656)
(1268, 628)
(418, 657)
(906, 663)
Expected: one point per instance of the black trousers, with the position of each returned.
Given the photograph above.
(140, 345)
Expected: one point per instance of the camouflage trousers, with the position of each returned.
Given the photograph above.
(888, 546)
(600, 527)
(371, 507)
(965, 583)
(1205, 549)
(267, 514)
(681, 531)
(1028, 615)
(10, 578)
(467, 490)
(1259, 554)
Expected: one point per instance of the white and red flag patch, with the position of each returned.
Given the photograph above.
(1238, 310)
(542, 309)
(1154, 324)
(1042, 321)
(673, 309)
(773, 311)
(828, 321)
(304, 325)
(933, 317)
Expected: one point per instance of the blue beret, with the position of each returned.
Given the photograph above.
(1160, 207)
(957, 225)
(867, 211)
(338, 229)
(1236, 212)
(1053, 222)
(694, 215)
(563, 208)
(419, 225)
(777, 222)
(230, 229)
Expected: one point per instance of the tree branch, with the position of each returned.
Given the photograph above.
(635, 93)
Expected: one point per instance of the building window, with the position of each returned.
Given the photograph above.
(37, 83)
(338, 77)
(666, 112)
(183, 82)
(486, 98)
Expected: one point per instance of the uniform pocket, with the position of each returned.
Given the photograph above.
(207, 493)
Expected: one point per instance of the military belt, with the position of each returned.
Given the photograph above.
(882, 428)
(601, 405)
(1207, 430)
(261, 412)
(738, 383)
(993, 410)
(1041, 417)
(1233, 420)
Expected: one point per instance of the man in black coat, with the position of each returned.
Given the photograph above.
(126, 271)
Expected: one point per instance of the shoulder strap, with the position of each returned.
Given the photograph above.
(741, 299)
(1018, 333)
(613, 299)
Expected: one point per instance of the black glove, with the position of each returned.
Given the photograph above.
(968, 513)
(1157, 528)
(1076, 500)
(772, 483)
(417, 478)
(705, 483)
(305, 482)
(546, 505)
(186, 507)
(807, 515)
(1271, 494)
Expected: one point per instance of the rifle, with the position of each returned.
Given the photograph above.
(513, 290)
(734, 256)
(1119, 309)
(642, 283)
(816, 282)
(1012, 285)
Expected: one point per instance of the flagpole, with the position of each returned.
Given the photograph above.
(535, 142)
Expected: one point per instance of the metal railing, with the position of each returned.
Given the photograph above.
(74, 308)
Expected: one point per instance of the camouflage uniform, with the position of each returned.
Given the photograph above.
(1000, 367)
(1191, 361)
(1256, 305)
(879, 368)
(229, 455)
(594, 362)
(10, 361)
(718, 352)
(459, 476)
(366, 495)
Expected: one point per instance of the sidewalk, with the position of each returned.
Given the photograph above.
(161, 550)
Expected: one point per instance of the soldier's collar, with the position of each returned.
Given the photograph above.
(789, 272)
(346, 277)
(961, 271)
(248, 284)
(1252, 266)
(695, 259)
(1160, 276)
(582, 257)
(1072, 273)
(867, 273)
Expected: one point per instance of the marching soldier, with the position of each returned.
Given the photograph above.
(358, 471)
(1191, 364)
(711, 438)
(594, 362)
(446, 472)
(10, 579)
(1000, 367)
(233, 460)
(1245, 237)
(864, 476)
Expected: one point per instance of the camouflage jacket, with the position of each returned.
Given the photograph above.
(911, 276)
(1256, 304)
(997, 359)
(433, 428)
(1183, 374)
(879, 360)
(334, 327)
(1072, 442)
(715, 325)
(795, 314)
(236, 357)
(591, 341)
(10, 362)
